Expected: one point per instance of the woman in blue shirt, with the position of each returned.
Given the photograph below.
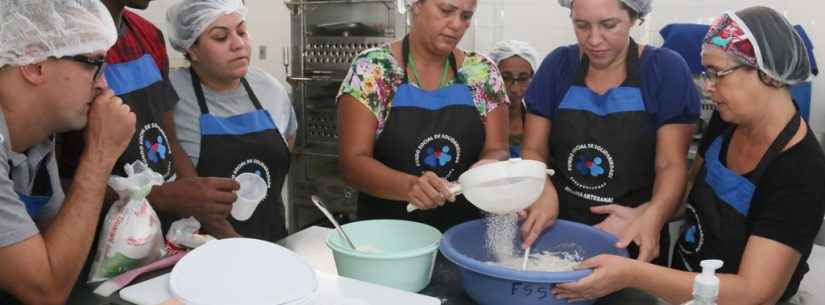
(622, 115)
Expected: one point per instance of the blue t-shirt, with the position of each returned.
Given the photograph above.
(667, 86)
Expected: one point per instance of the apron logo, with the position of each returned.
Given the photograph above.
(593, 164)
(438, 153)
(593, 167)
(154, 148)
(437, 156)
(693, 237)
(257, 167)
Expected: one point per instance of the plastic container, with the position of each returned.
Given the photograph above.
(252, 191)
(242, 271)
(706, 284)
(394, 253)
(488, 284)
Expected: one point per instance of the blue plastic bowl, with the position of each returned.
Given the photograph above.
(488, 284)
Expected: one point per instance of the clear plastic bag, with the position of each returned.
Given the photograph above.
(183, 235)
(131, 234)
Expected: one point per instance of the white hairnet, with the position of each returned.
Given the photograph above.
(187, 19)
(642, 7)
(404, 4)
(780, 52)
(509, 48)
(32, 31)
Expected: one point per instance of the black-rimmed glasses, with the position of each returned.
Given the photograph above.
(523, 80)
(98, 63)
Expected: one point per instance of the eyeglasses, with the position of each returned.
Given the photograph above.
(509, 80)
(98, 63)
(709, 75)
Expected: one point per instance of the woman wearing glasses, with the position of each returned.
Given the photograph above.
(516, 60)
(622, 115)
(759, 200)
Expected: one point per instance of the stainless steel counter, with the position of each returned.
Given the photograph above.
(445, 284)
(309, 244)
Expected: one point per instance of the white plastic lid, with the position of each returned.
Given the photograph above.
(242, 271)
(706, 284)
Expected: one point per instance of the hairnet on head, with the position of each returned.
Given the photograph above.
(188, 19)
(642, 7)
(32, 31)
(777, 49)
(402, 5)
(509, 48)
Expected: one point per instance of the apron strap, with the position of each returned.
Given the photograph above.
(42, 182)
(631, 64)
(776, 147)
(251, 94)
(196, 85)
(773, 151)
(405, 53)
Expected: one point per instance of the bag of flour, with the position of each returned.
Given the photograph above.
(131, 234)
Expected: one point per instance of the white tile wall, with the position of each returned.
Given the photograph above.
(268, 24)
(543, 23)
(546, 25)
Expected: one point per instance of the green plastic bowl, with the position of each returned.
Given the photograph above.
(397, 253)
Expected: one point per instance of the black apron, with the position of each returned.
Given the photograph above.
(39, 196)
(246, 143)
(149, 143)
(603, 149)
(439, 131)
(716, 225)
(41, 191)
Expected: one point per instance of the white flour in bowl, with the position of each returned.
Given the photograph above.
(503, 237)
(545, 261)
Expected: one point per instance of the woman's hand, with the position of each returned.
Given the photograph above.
(430, 191)
(639, 225)
(619, 218)
(611, 273)
(539, 216)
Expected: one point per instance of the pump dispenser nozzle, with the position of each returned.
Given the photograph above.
(706, 284)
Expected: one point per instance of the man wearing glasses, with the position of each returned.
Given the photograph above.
(137, 70)
(51, 56)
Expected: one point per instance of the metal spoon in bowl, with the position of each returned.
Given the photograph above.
(323, 207)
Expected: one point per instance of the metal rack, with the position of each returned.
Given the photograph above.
(325, 37)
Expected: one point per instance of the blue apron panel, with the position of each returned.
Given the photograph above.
(616, 100)
(247, 123)
(34, 204)
(133, 75)
(454, 95)
(733, 189)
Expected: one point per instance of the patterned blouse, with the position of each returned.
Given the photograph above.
(375, 75)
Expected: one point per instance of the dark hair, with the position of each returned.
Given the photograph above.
(186, 53)
(633, 14)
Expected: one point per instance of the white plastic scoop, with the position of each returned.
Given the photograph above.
(501, 187)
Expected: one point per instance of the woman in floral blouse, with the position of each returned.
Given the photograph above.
(415, 114)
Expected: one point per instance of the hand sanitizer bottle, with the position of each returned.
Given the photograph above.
(706, 284)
